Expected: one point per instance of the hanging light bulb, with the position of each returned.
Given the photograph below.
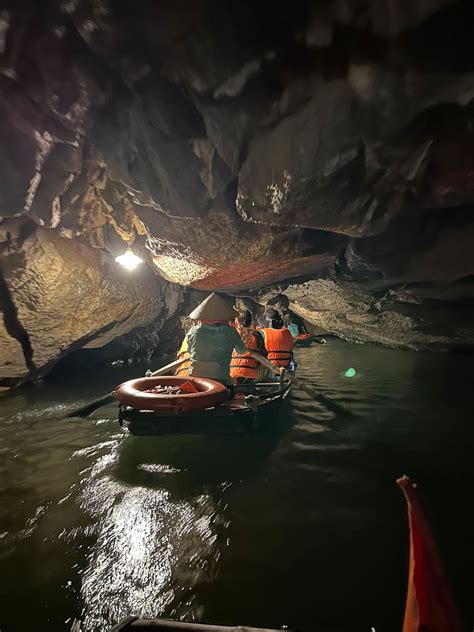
(129, 260)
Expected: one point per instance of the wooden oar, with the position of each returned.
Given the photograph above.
(107, 399)
(326, 401)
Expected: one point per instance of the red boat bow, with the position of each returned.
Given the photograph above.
(430, 604)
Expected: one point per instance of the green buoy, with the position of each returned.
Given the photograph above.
(350, 372)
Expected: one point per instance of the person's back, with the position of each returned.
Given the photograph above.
(290, 318)
(243, 367)
(278, 343)
(211, 340)
(293, 329)
(210, 347)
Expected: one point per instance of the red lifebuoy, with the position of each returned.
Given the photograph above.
(210, 393)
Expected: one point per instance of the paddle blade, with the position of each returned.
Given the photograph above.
(430, 604)
(91, 406)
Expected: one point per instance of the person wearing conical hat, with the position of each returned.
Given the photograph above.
(211, 341)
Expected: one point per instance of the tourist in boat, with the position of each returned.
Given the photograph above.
(294, 323)
(293, 328)
(211, 341)
(244, 368)
(266, 317)
(243, 304)
(278, 342)
(282, 304)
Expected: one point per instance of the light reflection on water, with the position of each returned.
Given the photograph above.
(142, 541)
(302, 525)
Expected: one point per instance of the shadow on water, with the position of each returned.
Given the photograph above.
(185, 464)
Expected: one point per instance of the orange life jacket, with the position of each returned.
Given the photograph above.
(242, 365)
(279, 346)
(183, 369)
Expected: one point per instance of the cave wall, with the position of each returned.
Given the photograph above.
(240, 145)
(418, 318)
(60, 295)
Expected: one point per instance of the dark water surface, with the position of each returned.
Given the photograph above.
(303, 525)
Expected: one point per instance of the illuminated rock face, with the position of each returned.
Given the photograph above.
(62, 295)
(238, 148)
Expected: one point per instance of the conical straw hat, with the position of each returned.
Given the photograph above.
(214, 307)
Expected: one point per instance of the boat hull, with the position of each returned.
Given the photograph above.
(303, 342)
(168, 625)
(238, 415)
(307, 340)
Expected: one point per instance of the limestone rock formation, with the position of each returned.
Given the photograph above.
(239, 145)
(59, 295)
(422, 318)
(156, 342)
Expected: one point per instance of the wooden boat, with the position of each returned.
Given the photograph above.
(306, 340)
(303, 340)
(247, 411)
(167, 625)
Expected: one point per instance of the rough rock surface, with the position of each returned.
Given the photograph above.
(420, 318)
(239, 146)
(155, 342)
(12, 358)
(66, 296)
